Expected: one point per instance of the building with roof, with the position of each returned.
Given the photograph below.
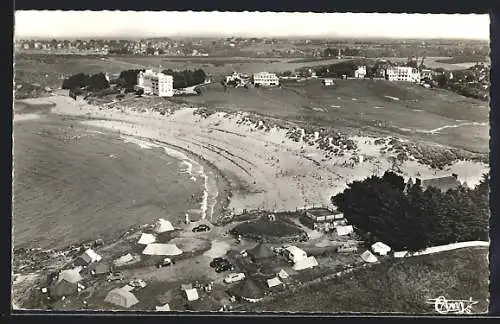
(100, 268)
(403, 73)
(88, 257)
(265, 79)
(155, 83)
(442, 183)
(380, 248)
(360, 72)
(328, 82)
(323, 219)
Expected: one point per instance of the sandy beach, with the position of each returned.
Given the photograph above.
(265, 168)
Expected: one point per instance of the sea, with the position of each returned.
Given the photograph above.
(72, 182)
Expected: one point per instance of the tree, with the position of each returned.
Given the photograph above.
(129, 77)
(97, 82)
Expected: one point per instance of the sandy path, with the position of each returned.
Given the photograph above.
(266, 169)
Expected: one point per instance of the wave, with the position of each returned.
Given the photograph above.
(437, 130)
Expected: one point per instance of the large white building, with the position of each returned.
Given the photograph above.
(158, 84)
(265, 79)
(403, 73)
(360, 73)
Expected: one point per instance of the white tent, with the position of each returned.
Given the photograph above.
(127, 288)
(93, 256)
(192, 294)
(121, 298)
(344, 230)
(306, 263)
(163, 308)
(401, 254)
(367, 256)
(123, 259)
(381, 248)
(282, 274)
(163, 226)
(162, 249)
(71, 275)
(273, 282)
(146, 239)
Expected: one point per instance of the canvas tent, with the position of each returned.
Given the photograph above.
(71, 275)
(191, 294)
(88, 257)
(367, 256)
(273, 282)
(306, 263)
(162, 226)
(260, 252)
(381, 248)
(163, 308)
(124, 259)
(162, 249)
(63, 288)
(121, 297)
(344, 230)
(146, 239)
(282, 274)
(295, 254)
(250, 291)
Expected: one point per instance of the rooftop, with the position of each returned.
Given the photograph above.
(322, 212)
(442, 183)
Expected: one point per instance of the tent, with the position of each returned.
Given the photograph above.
(344, 230)
(100, 268)
(163, 308)
(192, 294)
(127, 287)
(260, 252)
(121, 297)
(71, 275)
(124, 259)
(161, 249)
(295, 254)
(63, 288)
(146, 239)
(273, 282)
(306, 263)
(381, 248)
(367, 256)
(401, 254)
(162, 226)
(186, 286)
(250, 291)
(88, 257)
(282, 274)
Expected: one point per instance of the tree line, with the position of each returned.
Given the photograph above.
(409, 217)
(186, 78)
(94, 82)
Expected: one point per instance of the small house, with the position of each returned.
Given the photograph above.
(321, 218)
(328, 82)
(88, 257)
(380, 248)
(273, 282)
(442, 183)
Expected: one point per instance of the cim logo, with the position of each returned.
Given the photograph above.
(452, 306)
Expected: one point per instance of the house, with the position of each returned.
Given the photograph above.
(273, 282)
(321, 218)
(121, 297)
(442, 183)
(426, 74)
(88, 257)
(380, 248)
(155, 83)
(344, 230)
(360, 72)
(294, 254)
(328, 82)
(265, 79)
(403, 73)
(260, 252)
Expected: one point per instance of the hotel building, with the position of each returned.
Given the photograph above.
(158, 84)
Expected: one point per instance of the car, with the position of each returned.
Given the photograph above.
(165, 262)
(116, 276)
(234, 277)
(201, 228)
(137, 283)
(217, 261)
(224, 267)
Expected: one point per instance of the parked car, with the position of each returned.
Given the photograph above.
(217, 261)
(201, 228)
(224, 267)
(234, 277)
(116, 276)
(165, 262)
(137, 283)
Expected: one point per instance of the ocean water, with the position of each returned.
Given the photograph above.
(72, 182)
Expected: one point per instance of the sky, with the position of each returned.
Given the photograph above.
(131, 24)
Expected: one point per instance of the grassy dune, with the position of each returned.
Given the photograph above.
(397, 286)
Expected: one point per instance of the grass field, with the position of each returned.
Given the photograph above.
(377, 106)
(400, 285)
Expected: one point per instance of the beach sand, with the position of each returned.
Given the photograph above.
(265, 169)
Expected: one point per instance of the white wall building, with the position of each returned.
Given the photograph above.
(157, 84)
(328, 82)
(265, 79)
(403, 73)
(360, 73)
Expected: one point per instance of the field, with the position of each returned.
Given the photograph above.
(377, 106)
(400, 286)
